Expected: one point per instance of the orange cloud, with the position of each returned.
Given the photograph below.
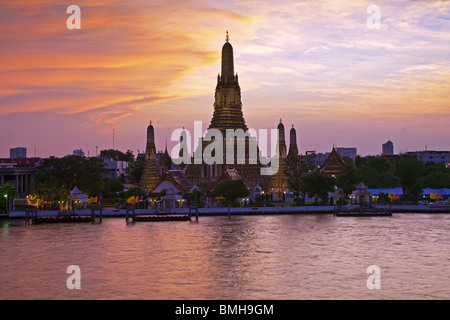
(127, 54)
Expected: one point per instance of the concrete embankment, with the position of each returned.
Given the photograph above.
(109, 213)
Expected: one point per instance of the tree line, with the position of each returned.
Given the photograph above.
(377, 172)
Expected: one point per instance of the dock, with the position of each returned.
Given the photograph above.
(61, 219)
(158, 218)
(364, 213)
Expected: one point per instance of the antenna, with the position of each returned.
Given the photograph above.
(114, 145)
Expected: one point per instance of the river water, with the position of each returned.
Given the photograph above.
(282, 257)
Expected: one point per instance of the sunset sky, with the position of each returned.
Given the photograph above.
(314, 63)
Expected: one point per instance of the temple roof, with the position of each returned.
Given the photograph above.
(334, 164)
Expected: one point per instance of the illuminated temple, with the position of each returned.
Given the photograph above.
(150, 175)
(228, 114)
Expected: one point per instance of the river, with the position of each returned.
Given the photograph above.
(281, 257)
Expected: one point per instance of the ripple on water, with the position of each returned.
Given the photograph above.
(245, 257)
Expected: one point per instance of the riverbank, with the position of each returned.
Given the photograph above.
(116, 213)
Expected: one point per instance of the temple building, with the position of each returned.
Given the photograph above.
(334, 165)
(278, 184)
(150, 175)
(293, 148)
(227, 115)
(164, 162)
(205, 174)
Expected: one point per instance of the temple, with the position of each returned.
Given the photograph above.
(150, 175)
(278, 184)
(227, 114)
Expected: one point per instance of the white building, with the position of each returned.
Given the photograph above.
(114, 169)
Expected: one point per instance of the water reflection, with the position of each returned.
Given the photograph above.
(245, 257)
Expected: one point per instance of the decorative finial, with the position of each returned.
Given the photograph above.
(227, 38)
(280, 120)
(150, 122)
(292, 124)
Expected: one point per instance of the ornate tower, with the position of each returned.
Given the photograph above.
(150, 175)
(293, 149)
(279, 182)
(227, 115)
(227, 100)
(165, 163)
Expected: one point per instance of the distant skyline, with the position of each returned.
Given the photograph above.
(314, 63)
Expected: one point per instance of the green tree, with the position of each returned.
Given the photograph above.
(113, 186)
(318, 185)
(117, 155)
(136, 169)
(192, 196)
(297, 167)
(134, 191)
(375, 172)
(231, 189)
(69, 172)
(436, 176)
(410, 170)
(7, 193)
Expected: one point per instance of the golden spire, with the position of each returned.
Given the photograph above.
(227, 37)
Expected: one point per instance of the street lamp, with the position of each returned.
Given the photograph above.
(7, 206)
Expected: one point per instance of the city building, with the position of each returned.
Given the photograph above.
(347, 152)
(78, 153)
(387, 148)
(434, 156)
(316, 159)
(20, 172)
(114, 169)
(16, 153)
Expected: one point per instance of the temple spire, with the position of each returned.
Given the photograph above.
(227, 60)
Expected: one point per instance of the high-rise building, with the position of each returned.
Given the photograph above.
(347, 152)
(388, 148)
(432, 155)
(78, 153)
(16, 153)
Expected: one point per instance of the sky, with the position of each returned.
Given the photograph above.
(319, 65)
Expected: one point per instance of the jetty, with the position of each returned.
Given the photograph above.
(161, 217)
(364, 212)
(61, 219)
(32, 217)
(154, 217)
